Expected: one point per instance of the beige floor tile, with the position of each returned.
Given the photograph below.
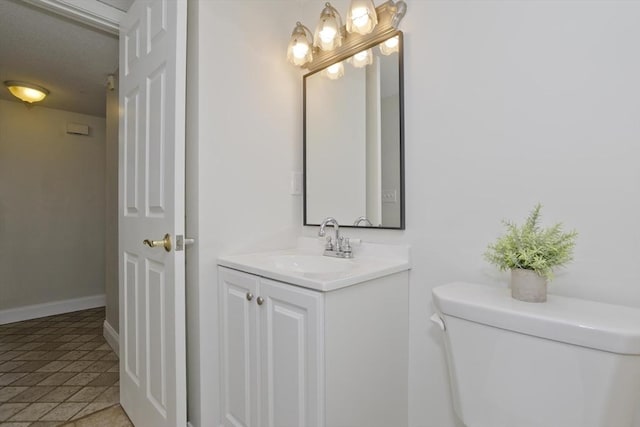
(113, 416)
(74, 355)
(83, 378)
(32, 378)
(64, 411)
(91, 345)
(105, 347)
(30, 366)
(43, 424)
(114, 368)
(7, 410)
(101, 366)
(107, 378)
(33, 412)
(12, 354)
(12, 424)
(8, 378)
(53, 366)
(87, 394)
(7, 393)
(69, 346)
(60, 394)
(77, 366)
(32, 394)
(95, 355)
(110, 356)
(91, 408)
(59, 378)
(10, 365)
(111, 395)
(29, 346)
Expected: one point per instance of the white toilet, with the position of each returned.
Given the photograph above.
(564, 363)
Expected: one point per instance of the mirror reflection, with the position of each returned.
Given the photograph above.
(353, 145)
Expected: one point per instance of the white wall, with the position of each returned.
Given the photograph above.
(243, 140)
(52, 199)
(507, 104)
(111, 208)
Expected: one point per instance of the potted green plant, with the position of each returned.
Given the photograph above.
(531, 253)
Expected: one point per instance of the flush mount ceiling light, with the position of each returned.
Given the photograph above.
(366, 25)
(26, 92)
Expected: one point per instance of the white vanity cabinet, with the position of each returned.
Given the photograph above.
(296, 357)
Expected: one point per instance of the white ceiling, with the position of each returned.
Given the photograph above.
(70, 59)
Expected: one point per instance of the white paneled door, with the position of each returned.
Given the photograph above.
(151, 209)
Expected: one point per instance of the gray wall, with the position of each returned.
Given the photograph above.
(51, 206)
(111, 209)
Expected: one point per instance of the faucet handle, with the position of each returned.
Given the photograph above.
(329, 245)
(346, 248)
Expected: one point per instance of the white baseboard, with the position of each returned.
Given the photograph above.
(112, 337)
(35, 311)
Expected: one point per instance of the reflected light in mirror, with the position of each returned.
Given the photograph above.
(328, 36)
(362, 59)
(362, 17)
(299, 50)
(390, 46)
(335, 71)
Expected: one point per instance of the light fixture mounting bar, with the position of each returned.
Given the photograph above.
(354, 42)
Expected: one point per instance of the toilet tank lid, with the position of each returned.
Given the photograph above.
(597, 325)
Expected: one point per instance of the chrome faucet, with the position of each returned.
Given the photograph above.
(341, 248)
(364, 219)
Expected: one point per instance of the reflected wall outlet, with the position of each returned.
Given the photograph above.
(389, 196)
(296, 184)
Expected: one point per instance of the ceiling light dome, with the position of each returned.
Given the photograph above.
(26, 92)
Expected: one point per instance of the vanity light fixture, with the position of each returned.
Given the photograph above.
(26, 92)
(362, 58)
(328, 35)
(361, 17)
(335, 71)
(299, 51)
(390, 46)
(366, 25)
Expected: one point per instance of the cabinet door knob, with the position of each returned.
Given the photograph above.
(260, 300)
(249, 296)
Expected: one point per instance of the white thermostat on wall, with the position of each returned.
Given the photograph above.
(77, 129)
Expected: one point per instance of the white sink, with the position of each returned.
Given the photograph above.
(312, 264)
(306, 266)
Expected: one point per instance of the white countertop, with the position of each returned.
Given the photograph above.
(370, 261)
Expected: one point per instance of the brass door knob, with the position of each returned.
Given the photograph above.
(165, 243)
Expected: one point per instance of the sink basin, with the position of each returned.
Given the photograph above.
(311, 264)
(305, 265)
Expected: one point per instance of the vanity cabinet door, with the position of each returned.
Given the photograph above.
(291, 345)
(238, 348)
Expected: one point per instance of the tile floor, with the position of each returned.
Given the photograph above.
(56, 369)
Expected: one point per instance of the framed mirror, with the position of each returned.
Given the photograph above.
(354, 139)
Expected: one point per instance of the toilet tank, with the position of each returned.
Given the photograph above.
(564, 363)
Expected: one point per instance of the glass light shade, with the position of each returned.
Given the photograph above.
(299, 50)
(26, 92)
(390, 46)
(328, 34)
(362, 17)
(362, 58)
(334, 72)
